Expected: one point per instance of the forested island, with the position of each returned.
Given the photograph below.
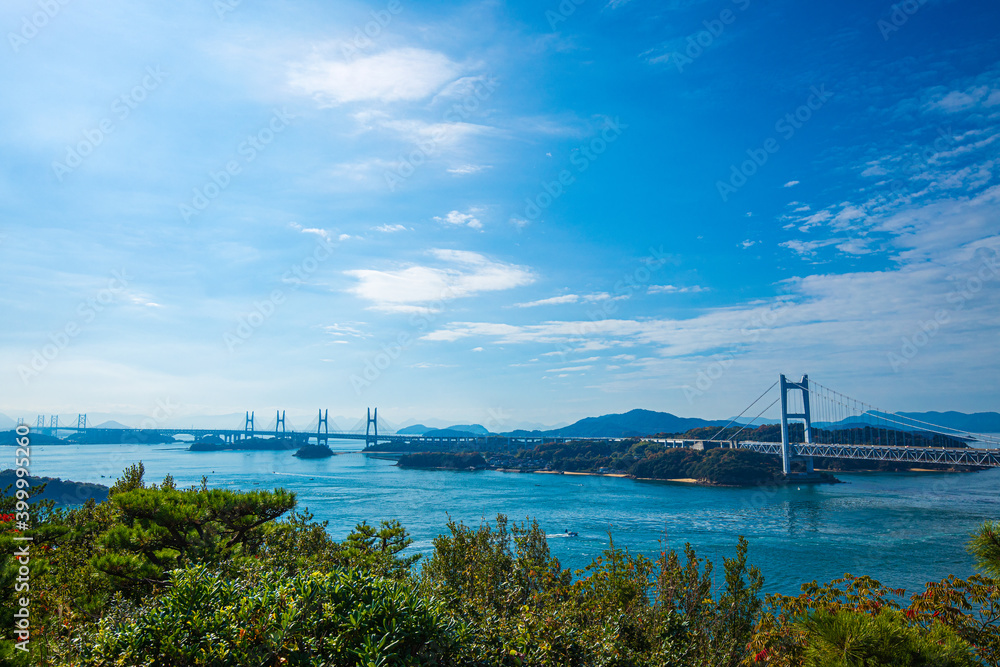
(117, 436)
(632, 458)
(314, 452)
(644, 458)
(10, 438)
(163, 576)
(444, 460)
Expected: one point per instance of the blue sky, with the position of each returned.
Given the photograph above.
(535, 210)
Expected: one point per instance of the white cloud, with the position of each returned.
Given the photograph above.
(434, 136)
(963, 100)
(462, 219)
(520, 223)
(807, 248)
(310, 230)
(790, 184)
(390, 229)
(398, 74)
(551, 301)
(464, 169)
(604, 296)
(748, 243)
(421, 289)
(343, 330)
(673, 289)
(569, 369)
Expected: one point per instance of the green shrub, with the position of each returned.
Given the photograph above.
(886, 639)
(344, 617)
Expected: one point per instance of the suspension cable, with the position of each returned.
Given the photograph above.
(744, 411)
(865, 408)
(733, 437)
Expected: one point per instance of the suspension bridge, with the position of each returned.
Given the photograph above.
(837, 426)
(815, 421)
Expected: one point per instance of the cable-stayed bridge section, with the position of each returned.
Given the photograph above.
(372, 431)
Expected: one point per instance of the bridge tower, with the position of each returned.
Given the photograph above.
(20, 421)
(280, 422)
(323, 428)
(787, 453)
(371, 428)
(81, 421)
(248, 426)
(54, 422)
(40, 422)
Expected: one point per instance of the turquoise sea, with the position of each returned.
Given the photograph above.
(902, 528)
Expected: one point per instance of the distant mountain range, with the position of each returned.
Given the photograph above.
(630, 424)
(110, 424)
(420, 429)
(979, 422)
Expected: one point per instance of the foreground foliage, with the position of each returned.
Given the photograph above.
(343, 618)
(159, 575)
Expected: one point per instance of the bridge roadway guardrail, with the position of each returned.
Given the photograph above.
(969, 456)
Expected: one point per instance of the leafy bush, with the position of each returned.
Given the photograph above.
(344, 617)
(237, 584)
(885, 639)
(623, 609)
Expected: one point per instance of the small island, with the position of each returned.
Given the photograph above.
(10, 438)
(639, 460)
(313, 452)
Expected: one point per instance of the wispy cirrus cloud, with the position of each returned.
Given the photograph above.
(390, 229)
(405, 74)
(422, 289)
(551, 301)
(674, 289)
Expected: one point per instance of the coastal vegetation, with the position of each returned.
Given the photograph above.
(634, 458)
(164, 576)
(116, 436)
(59, 491)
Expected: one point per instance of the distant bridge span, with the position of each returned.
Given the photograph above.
(835, 409)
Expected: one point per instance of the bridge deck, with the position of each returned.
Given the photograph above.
(966, 456)
(942, 455)
(310, 435)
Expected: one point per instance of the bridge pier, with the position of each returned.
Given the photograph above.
(323, 428)
(787, 451)
(371, 438)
